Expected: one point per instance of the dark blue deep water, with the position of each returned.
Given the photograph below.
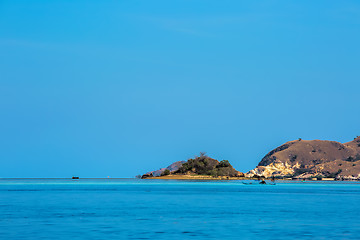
(168, 209)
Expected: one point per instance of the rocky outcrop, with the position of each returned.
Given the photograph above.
(305, 159)
(147, 175)
(173, 167)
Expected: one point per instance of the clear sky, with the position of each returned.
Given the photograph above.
(118, 88)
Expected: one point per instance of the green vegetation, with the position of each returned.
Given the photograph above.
(353, 159)
(293, 158)
(204, 165)
(289, 176)
(300, 171)
(223, 164)
(165, 172)
(319, 177)
(333, 175)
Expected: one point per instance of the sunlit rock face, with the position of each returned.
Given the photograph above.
(273, 169)
(301, 158)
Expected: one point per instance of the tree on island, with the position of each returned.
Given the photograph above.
(204, 165)
(223, 163)
(165, 172)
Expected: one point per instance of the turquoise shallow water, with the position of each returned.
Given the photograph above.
(169, 209)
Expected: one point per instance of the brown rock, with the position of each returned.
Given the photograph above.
(312, 158)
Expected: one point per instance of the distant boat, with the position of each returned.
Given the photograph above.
(75, 177)
(247, 183)
(262, 182)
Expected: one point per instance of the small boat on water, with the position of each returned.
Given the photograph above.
(262, 182)
(75, 177)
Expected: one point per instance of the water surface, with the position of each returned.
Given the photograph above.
(165, 209)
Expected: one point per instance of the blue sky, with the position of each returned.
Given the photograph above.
(118, 88)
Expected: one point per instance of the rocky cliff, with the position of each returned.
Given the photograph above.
(305, 159)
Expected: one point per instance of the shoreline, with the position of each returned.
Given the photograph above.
(197, 177)
(206, 177)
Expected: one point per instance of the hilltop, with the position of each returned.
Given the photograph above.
(200, 166)
(311, 158)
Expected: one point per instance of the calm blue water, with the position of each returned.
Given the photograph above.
(161, 209)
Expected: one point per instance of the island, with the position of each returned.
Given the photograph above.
(294, 160)
(312, 159)
(199, 167)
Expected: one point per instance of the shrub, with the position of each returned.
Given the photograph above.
(166, 172)
(293, 158)
(300, 171)
(223, 163)
(201, 165)
(350, 159)
(333, 175)
(213, 173)
(289, 175)
(319, 177)
(317, 161)
(205, 165)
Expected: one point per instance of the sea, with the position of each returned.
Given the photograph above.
(177, 209)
